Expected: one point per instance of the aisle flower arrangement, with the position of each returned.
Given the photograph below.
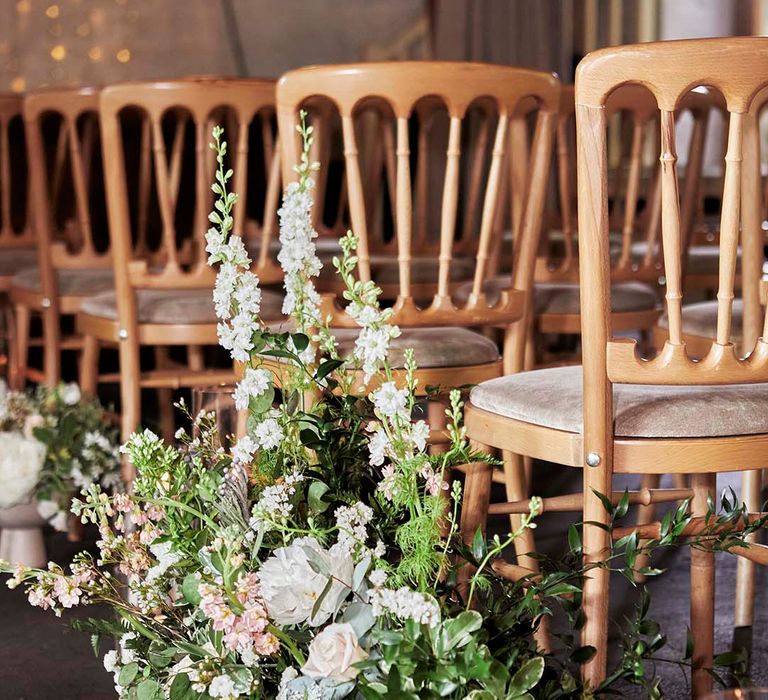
(53, 444)
(320, 559)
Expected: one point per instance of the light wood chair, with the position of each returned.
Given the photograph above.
(433, 323)
(17, 243)
(621, 413)
(163, 296)
(73, 252)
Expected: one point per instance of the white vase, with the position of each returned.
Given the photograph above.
(21, 535)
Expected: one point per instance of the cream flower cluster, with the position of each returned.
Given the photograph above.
(405, 604)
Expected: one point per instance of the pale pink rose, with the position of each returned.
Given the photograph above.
(333, 652)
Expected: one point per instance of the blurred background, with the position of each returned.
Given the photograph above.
(59, 42)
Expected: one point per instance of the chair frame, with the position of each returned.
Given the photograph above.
(52, 251)
(172, 268)
(738, 68)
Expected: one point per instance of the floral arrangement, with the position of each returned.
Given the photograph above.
(321, 558)
(53, 444)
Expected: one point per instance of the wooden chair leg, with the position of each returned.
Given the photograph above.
(474, 509)
(10, 338)
(20, 357)
(596, 589)
(165, 397)
(751, 495)
(702, 594)
(89, 366)
(437, 420)
(130, 396)
(645, 515)
(51, 346)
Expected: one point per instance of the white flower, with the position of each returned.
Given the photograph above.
(275, 500)
(389, 401)
(222, 687)
(405, 604)
(166, 557)
(21, 461)
(253, 384)
(333, 653)
(290, 586)
(224, 288)
(243, 450)
(419, 435)
(372, 346)
(110, 660)
(377, 577)
(352, 521)
(379, 447)
(268, 433)
(70, 394)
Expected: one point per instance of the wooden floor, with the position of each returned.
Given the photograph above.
(41, 658)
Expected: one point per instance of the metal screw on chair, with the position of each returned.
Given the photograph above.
(593, 459)
(122, 334)
(45, 302)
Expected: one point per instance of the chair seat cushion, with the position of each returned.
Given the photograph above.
(705, 259)
(174, 306)
(563, 297)
(553, 398)
(14, 259)
(432, 347)
(700, 319)
(77, 283)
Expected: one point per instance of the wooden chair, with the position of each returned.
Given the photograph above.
(447, 352)
(162, 297)
(73, 252)
(17, 243)
(621, 413)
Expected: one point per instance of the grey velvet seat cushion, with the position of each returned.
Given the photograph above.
(432, 347)
(563, 297)
(705, 259)
(14, 259)
(174, 306)
(78, 283)
(701, 319)
(553, 398)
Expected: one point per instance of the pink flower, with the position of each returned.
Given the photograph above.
(67, 592)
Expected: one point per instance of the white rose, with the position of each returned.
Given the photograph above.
(290, 587)
(332, 654)
(21, 461)
(110, 660)
(70, 394)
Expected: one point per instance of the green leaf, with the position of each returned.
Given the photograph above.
(688, 644)
(605, 501)
(149, 690)
(623, 505)
(574, 540)
(478, 545)
(315, 493)
(461, 628)
(191, 649)
(189, 589)
(319, 602)
(257, 405)
(300, 341)
(528, 675)
(128, 674)
(180, 687)
(326, 367)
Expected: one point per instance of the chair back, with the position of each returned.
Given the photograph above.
(738, 70)
(159, 194)
(465, 104)
(15, 222)
(634, 190)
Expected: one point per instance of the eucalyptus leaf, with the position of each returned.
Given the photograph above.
(128, 674)
(149, 689)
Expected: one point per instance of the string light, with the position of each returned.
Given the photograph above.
(23, 7)
(58, 52)
(52, 11)
(123, 55)
(95, 54)
(18, 84)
